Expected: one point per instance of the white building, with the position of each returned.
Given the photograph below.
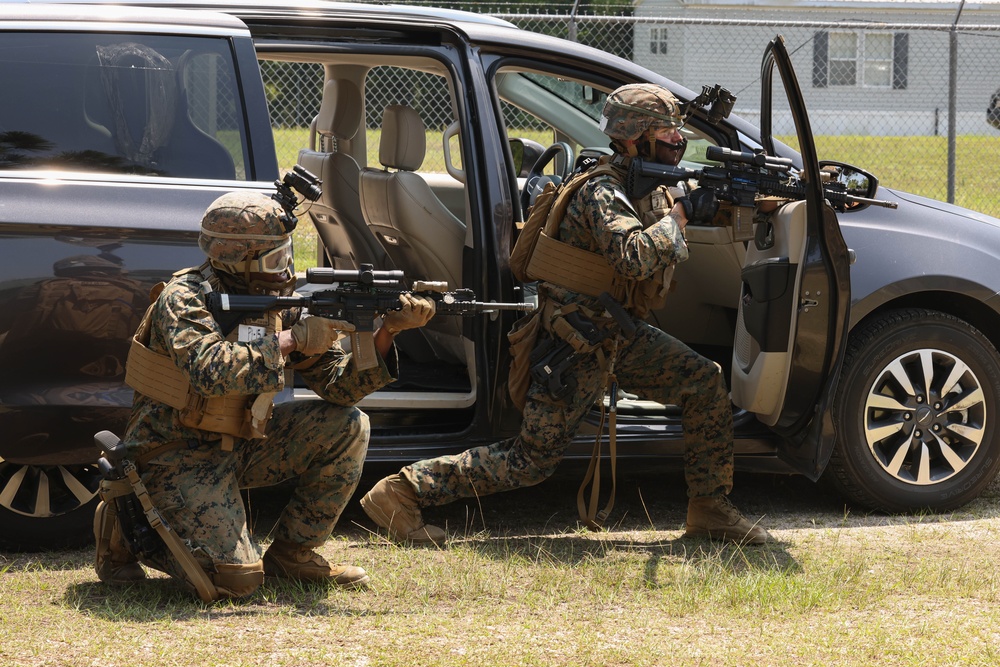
(865, 67)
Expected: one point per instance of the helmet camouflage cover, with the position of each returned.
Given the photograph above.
(631, 110)
(241, 225)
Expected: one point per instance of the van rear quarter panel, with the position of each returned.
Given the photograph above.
(77, 261)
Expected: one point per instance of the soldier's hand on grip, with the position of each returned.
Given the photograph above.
(416, 312)
(315, 335)
(700, 205)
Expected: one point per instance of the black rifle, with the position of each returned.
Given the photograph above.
(358, 297)
(742, 177)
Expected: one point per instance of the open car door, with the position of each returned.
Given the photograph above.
(795, 299)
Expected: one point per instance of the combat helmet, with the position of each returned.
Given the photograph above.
(245, 233)
(633, 109)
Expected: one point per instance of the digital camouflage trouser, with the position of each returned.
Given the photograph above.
(653, 365)
(197, 490)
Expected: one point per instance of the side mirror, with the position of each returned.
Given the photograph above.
(850, 180)
(525, 153)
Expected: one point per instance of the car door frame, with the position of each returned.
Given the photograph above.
(805, 423)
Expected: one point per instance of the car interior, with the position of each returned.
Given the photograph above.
(387, 146)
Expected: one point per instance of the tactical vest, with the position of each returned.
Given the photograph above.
(586, 272)
(155, 375)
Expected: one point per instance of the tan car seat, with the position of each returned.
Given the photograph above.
(417, 231)
(337, 214)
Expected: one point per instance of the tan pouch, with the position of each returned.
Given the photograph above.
(545, 215)
(524, 247)
(522, 337)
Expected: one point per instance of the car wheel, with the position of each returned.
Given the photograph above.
(47, 507)
(916, 409)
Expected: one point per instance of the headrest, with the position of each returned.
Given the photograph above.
(340, 110)
(403, 143)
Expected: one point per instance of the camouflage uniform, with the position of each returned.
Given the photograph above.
(652, 364)
(197, 485)
(640, 241)
(193, 481)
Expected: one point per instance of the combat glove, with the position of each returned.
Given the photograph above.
(700, 205)
(315, 335)
(416, 312)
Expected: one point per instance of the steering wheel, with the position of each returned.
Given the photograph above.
(536, 180)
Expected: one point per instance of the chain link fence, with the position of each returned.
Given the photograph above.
(914, 103)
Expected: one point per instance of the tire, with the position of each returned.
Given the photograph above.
(47, 507)
(900, 447)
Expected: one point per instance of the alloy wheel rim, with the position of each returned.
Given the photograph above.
(45, 491)
(925, 417)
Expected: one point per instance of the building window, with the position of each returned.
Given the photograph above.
(877, 59)
(860, 59)
(843, 62)
(658, 41)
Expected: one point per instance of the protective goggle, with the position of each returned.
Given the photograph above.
(276, 260)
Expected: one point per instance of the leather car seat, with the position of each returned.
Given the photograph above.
(417, 231)
(337, 214)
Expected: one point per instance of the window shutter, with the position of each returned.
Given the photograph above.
(821, 43)
(900, 59)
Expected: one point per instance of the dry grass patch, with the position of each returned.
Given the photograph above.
(836, 588)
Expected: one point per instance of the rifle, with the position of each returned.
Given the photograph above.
(357, 297)
(742, 177)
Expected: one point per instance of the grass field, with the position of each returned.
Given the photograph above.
(522, 586)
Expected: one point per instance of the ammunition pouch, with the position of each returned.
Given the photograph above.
(522, 337)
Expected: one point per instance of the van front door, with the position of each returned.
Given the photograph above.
(795, 299)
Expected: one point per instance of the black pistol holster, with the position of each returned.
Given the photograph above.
(574, 334)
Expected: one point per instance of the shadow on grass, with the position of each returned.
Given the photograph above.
(574, 550)
(161, 598)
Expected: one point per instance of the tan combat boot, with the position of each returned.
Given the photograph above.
(392, 504)
(717, 518)
(288, 560)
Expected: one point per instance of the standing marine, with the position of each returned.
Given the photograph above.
(629, 247)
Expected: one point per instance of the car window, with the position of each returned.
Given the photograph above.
(119, 103)
(546, 108)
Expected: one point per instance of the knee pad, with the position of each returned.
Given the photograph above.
(235, 580)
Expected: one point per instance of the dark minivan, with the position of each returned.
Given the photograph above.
(860, 344)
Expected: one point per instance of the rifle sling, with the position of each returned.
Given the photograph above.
(593, 519)
(196, 575)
